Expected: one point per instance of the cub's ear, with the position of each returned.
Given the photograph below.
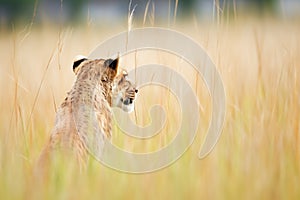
(124, 73)
(77, 61)
(113, 64)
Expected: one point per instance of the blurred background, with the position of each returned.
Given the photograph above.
(116, 11)
(255, 46)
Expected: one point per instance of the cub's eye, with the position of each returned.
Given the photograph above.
(126, 85)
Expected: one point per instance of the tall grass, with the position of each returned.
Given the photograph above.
(257, 157)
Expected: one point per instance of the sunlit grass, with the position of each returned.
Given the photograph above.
(257, 157)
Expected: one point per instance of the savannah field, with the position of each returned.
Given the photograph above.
(257, 156)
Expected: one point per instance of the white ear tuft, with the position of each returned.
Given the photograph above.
(79, 57)
(77, 61)
(124, 72)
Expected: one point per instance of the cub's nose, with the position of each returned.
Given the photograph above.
(136, 90)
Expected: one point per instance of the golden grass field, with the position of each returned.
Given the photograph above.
(257, 156)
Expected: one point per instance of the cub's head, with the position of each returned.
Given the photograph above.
(86, 68)
(123, 92)
(97, 72)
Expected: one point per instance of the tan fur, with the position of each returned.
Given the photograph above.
(124, 92)
(84, 118)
